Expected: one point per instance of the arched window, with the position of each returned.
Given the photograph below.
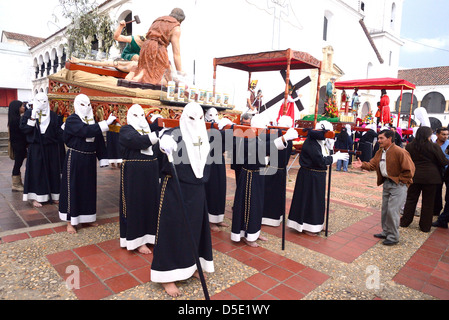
(406, 103)
(393, 16)
(368, 70)
(327, 25)
(434, 102)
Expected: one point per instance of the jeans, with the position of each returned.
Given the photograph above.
(343, 163)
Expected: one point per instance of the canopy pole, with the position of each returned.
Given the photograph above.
(287, 81)
(400, 107)
(249, 80)
(411, 109)
(215, 76)
(317, 96)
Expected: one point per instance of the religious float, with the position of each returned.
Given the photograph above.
(109, 92)
(379, 84)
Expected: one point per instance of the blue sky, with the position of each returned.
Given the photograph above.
(425, 22)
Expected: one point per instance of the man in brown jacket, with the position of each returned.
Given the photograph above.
(395, 170)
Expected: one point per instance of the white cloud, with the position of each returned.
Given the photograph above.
(425, 45)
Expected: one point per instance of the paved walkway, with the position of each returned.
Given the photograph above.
(36, 253)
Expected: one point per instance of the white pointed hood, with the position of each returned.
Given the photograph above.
(42, 107)
(195, 137)
(83, 109)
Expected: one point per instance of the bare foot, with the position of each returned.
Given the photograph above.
(252, 244)
(56, 201)
(262, 238)
(197, 275)
(214, 227)
(91, 224)
(71, 229)
(144, 249)
(36, 204)
(222, 224)
(171, 289)
(311, 233)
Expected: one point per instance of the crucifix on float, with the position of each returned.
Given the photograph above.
(281, 96)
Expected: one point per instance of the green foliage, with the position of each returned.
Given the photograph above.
(87, 25)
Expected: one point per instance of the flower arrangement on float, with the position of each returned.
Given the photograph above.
(368, 118)
(331, 109)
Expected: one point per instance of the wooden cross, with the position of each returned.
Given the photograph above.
(198, 144)
(40, 115)
(281, 96)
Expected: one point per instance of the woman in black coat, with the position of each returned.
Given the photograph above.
(18, 142)
(429, 161)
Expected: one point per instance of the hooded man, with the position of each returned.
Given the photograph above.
(42, 128)
(216, 185)
(188, 148)
(139, 183)
(85, 144)
(276, 180)
(308, 203)
(252, 151)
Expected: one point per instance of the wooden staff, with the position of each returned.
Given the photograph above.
(249, 131)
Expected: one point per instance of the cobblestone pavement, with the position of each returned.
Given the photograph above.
(38, 259)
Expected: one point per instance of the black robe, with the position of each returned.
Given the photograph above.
(113, 146)
(307, 208)
(366, 145)
(85, 143)
(216, 185)
(139, 189)
(173, 258)
(275, 187)
(248, 206)
(43, 169)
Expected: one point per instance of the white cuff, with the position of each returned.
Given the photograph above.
(280, 144)
(153, 137)
(104, 163)
(31, 123)
(103, 126)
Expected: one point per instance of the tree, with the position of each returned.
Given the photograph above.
(88, 25)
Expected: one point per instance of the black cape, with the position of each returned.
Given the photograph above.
(275, 187)
(139, 189)
(308, 203)
(113, 146)
(173, 258)
(43, 166)
(216, 185)
(85, 143)
(247, 213)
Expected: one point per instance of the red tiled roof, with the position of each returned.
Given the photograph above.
(436, 76)
(29, 40)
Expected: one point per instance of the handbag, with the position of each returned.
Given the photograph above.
(10, 151)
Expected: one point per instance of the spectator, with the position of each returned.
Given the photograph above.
(18, 142)
(429, 161)
(395, 170)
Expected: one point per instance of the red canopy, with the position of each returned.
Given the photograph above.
(378, 83)
(270, 61)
